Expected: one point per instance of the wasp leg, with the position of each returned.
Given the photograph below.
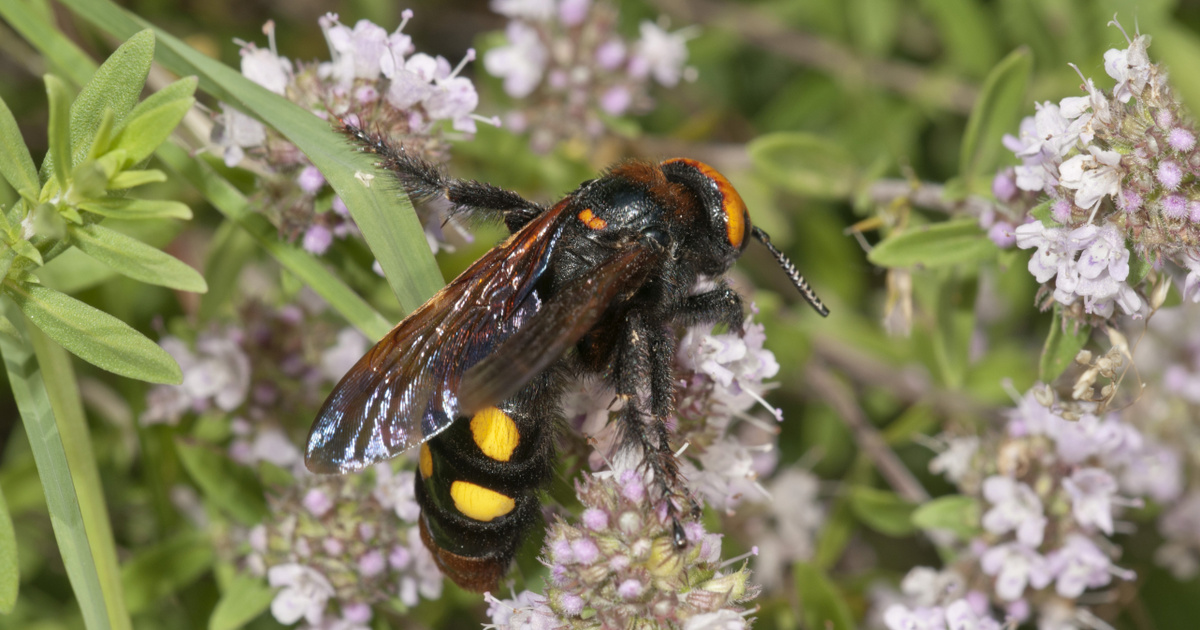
(426, 183)
(645, 366)
(721, 305)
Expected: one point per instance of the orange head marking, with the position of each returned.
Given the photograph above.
(737, 218)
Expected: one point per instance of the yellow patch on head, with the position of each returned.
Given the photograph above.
(478, 502)
(495, 433)
(425, 462)
(590, 219)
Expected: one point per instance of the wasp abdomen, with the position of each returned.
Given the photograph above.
(477, 486)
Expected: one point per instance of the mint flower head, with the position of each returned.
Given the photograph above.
(1120, 169)
(620, 567)
(570, 70)
(374, 78)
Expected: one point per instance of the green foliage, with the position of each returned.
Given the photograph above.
(244, 599)
(997, 112)
(954, 513)
(824, 606)
(231, 488)
(10, 575)
(1063, 343)
(953, 242)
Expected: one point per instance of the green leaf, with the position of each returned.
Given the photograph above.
(29, 392)
(59, 129)
(133, 258)
(65, 57)
(946, 243)
(955, 513)
(181, 90)
(62, 389)
(143, 134)
(164, 568)
(26, 249)
(1042, 212)
(386, 219)
(824, 607)
(231, 488)
(93, 335)
(996, 113)
(231, 203)
(967, 32)
(242, 601)
(882, 511)
(10, 577)
(1061, 346)
(133, 209)
(102, 141)
(1138, 265)
(232, 248)
(133, 179)
(116, 86)
(16, 165)
(805, 164)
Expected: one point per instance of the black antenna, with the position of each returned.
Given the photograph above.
(793, 273)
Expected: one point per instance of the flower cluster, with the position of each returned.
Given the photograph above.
(567, 61)
(347, 542)
(263, 374)
(375, 79)
(1118, 166)
(1049, 494)
(619, 567)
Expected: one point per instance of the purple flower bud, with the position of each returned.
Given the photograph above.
(1194, 211)
(1169, 174)
(1181, 140)
(594, 519)
(317, 502)
(366, 94)
(630, 589)
(610, 54)
(1130, 201)
(616, 100)
(632, 488)
(1004, 185)
(1175, 206)
(571, 604)
(399, 557)
(560, 550)
(1164, 118)
(1061, 211)
(333, 546)
(366, 531)
(317, 239)
(310, 180)
(573, 12)
(371, 563)
(1003, 234)
(584, 550)
(356, 613)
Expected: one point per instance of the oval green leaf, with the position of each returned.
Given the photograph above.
(93, 335)
(143, 134)
(936, 245)
(134, 209)
(824, 606)
(164, 568)
(16, 165)
(244, 599)
(805, 164)
(133, 258)
(996, 113)
(955, 513)
(1061, 346)
(882, 511)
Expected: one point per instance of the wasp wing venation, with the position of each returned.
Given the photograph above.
(405, 390)
(560, 323)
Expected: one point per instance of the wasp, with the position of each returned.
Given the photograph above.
(592, 285)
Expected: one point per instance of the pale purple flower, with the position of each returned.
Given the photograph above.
(371, 563)
(235, 132)
(1130, 67)
(927, 587)
(1053, 249)
(1191, 284)
(533, 10)
(737, 364)
(1015, 566)
(1156, 471)
(899, 617)
(1091, 491)
(304, 593)
(616, 100)
(1042, 142)
(723, 619)
(797, 514)
(395, 491)
(955, 460)
(525, 611)
(1180, 525)
(521, 63)
(659, 53)
(266, 68)
(1078, 565)
(1015, 507)
(573, 12)
(610, 54)
(272, 445)
(346, 351)
(1092, 176)
(1003, 234)
(1004, 185)
(726, 475)
(317, 502)
(960, 615)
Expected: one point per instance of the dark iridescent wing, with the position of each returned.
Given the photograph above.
(405, 389)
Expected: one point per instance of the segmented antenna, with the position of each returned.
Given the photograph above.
(809, 295)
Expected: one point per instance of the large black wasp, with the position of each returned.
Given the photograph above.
(591, 285)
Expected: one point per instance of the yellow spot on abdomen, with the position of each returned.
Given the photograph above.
(590, 219)
(495, 433)
(478, 502)
(425, 462)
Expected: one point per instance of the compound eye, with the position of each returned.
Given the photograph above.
(729, 208)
